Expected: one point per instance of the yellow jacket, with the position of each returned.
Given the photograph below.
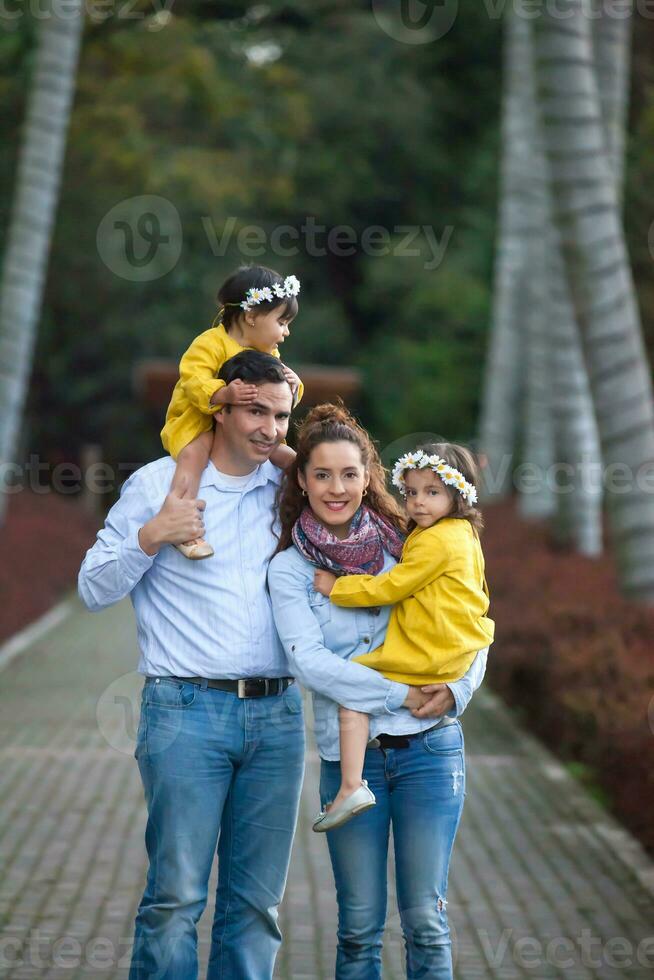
(439, 622)
(190, 411)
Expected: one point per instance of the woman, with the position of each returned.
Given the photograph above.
(415, 761)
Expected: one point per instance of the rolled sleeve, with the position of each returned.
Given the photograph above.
(463, 689)
(116, 562)
(396, 697)
(200, 392)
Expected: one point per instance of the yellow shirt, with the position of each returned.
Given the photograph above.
(439, 623)
(190, 411)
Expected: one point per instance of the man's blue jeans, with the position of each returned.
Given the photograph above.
(218, 771)
(420, 790)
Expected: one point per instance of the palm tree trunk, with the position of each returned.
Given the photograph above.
(612, 49)
(536, 499)
(577, 517)
(503, 385)
(587, 214)
(30, 230)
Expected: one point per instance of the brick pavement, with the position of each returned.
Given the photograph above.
(543, 883)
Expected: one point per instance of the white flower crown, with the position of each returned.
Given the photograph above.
(448, 474)
(266, 294)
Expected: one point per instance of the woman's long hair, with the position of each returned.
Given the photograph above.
(333, 423)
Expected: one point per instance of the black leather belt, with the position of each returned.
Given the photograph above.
(384, 741)
(245, 687)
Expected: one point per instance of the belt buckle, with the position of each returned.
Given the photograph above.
(242, 689)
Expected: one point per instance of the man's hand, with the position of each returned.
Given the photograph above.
(292, 378)
(439, 700)
(179, 520)
(237, 392)
(323, 581)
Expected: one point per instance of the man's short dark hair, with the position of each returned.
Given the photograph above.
(253, 366)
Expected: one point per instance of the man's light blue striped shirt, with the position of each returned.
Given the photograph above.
(210, 618)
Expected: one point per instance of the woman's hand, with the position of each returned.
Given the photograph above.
(439, 700)
(323, 581)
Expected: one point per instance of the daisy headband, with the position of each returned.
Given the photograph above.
(266, 294)
(420, 460)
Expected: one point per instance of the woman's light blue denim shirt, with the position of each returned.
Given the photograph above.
(320, 639)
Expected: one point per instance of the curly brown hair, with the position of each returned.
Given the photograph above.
(463, 460)
(332, 423)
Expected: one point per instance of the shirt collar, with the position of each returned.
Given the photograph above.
(264, 473)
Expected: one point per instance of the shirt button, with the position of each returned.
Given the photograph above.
(366, 639)
(293, 649)
(375, 610)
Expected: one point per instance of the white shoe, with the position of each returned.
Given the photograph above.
(358, 801)
(195, 550)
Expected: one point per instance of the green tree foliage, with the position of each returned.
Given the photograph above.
(272, 115)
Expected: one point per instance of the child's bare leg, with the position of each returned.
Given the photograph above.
(282, 456)
(354, 734)
(191, 463)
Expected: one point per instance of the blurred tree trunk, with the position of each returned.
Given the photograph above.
(597, 269)
(579, 513)
(35, 200)
(537, 499)
(575, 479)
(612, 57)
(578, 519)
(503, 380)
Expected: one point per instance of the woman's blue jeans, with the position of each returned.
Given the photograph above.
(218, 771)
(420, 791)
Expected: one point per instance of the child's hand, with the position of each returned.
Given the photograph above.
(237, 393)
(292, 378)
(323, 581)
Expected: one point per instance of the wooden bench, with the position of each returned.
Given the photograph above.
(154, 380)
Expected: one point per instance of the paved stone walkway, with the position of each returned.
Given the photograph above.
(543, 884)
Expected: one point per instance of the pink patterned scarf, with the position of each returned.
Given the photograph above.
(361, 553)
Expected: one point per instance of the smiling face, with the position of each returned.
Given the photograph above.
(334, 479)
(428, 500)
(247, 434)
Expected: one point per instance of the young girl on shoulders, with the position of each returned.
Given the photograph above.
(439, 622)
(257, 308)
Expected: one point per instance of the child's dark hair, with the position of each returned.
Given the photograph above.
(233, 291)
(463, 460)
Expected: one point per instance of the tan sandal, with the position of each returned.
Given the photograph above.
(196, 550)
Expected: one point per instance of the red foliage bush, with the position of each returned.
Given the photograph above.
(575, 659)
(42, 543)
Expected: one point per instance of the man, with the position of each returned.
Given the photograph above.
(220, 745)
